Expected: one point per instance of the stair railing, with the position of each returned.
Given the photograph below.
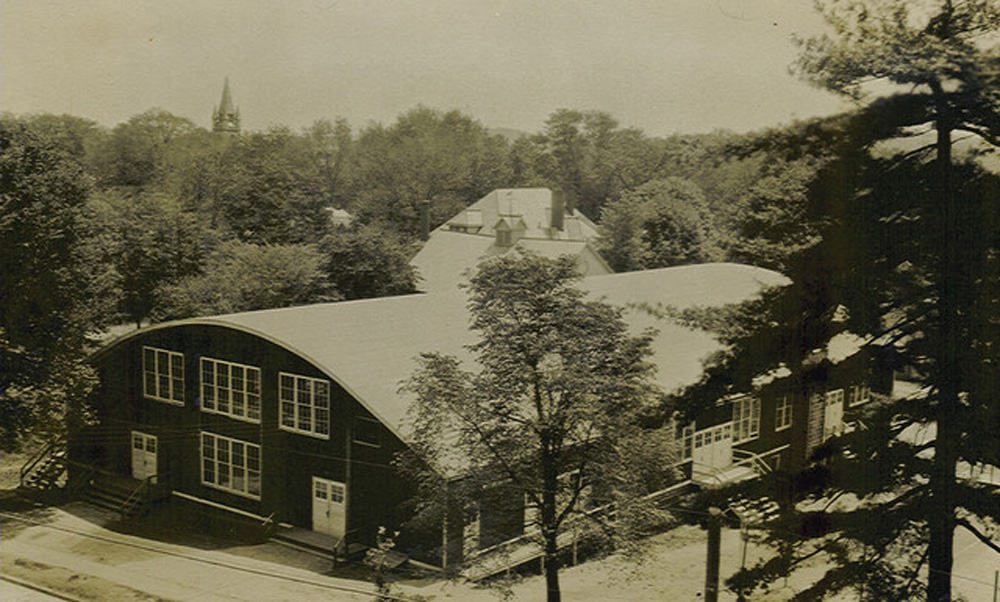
(32, 462)
(138, 495)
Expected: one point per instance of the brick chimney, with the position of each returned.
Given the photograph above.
(558, 209)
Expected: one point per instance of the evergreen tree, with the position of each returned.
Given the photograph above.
(907, 258)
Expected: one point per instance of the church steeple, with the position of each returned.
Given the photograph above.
(226, 118)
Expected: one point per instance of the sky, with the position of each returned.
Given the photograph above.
(665, 66)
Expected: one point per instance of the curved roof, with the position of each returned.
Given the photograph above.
(369, 347)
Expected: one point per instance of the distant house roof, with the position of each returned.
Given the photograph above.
(339, 217)
(459, 244)
(369, 347)
(532, 205)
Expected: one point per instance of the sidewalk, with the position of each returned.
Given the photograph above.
(68, 550)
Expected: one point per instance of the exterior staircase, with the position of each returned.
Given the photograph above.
(754, 511)
(45, 477)
(127, 496)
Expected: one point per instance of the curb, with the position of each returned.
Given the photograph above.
(39, 588)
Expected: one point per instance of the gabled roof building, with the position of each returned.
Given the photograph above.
(535, 219)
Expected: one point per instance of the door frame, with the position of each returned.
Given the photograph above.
(329, 485)
(146, 437)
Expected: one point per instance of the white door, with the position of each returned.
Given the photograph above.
(143, 455)
(329, 507)
(833, 414)
(713, 449)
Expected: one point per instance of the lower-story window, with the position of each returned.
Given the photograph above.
(230, 464)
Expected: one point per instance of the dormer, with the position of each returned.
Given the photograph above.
(509, 229)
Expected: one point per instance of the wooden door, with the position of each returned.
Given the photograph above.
(713, 449)
(329, 507)
(144, 450)
(833, 414)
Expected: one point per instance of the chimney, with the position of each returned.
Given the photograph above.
(425, 219)
(558, 208)
(570, 202)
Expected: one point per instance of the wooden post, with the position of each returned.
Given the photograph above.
(712, 559)
(996, 585)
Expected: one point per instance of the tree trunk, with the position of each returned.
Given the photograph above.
(550, 531)
(941, 516)
(552, 568)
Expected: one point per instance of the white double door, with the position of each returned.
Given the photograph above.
(329, 507)
(144, 448)
(712, 449)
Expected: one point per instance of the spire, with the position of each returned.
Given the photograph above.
(226, 106)
(226, 118)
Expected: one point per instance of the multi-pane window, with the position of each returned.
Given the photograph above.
(305, 404)
(835, 397)
(746, 419)
(230, 464)
(783, 413)
(230, 389)
(859, 394)
(163, 375)
(687, 442)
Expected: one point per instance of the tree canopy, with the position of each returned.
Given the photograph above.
(556, 392)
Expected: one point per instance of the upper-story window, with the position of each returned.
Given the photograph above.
(746, 419)
(231, 389)
(163, 375)
(859, 394)
(305, 404)
(783, 413)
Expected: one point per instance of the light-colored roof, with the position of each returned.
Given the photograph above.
(532, 205)
(448, 257)
(459, 244)
(369, 347)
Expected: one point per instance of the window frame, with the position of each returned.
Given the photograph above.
(296, 403)
(172, 379)
(783, 413)
(863, 391)
(244, 391)
(751, 417)
(229, 461)
(834, 396)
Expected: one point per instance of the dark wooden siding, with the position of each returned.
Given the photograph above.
(288, 460)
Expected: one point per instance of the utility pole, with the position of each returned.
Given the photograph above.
(714, 544)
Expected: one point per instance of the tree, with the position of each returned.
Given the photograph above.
(245, 277)
(53, 293)
(368, 261)
(549, 412)
(270, 192)
(589, 157)
(135, 153)
(659, 224)
(908, 258)
(155, 243)
(446, 158)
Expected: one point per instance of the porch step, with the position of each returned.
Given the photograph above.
(754, 511)
(111, 493)
(721, 477)
(48, 474)
(316, 543)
